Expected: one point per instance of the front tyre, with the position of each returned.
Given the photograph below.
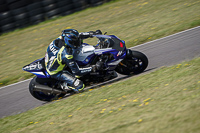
(41, 95)
(135, 63)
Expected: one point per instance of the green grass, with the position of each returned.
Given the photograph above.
(135, 21)
(164, 101)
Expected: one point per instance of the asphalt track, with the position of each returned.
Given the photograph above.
(166, 51)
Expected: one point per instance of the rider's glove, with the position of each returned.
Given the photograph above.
(91, 33)
(98, 32)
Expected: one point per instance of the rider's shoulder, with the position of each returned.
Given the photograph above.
(58, 42)
(58, 39)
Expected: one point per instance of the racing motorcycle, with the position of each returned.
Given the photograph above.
(110, 50)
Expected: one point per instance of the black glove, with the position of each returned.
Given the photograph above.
(98, 32)
(91, 33)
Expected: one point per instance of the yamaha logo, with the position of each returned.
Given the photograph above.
(120, 53)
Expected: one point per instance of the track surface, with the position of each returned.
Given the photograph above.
(166, 51)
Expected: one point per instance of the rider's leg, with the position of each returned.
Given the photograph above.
(70, 82)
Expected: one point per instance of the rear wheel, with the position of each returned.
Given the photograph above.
(136, 63)
(41, 95)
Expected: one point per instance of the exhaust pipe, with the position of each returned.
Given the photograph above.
(44, 88)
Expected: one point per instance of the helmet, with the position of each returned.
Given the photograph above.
(71, 38)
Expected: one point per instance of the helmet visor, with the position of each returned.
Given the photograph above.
(69, 42)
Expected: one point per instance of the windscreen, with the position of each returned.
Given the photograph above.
(117, 44)
(112, 42)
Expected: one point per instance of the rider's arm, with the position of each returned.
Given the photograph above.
(85, 35)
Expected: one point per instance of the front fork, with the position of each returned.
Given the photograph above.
(128, 53)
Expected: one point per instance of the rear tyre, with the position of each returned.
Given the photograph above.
(134, 64)
(40, 95)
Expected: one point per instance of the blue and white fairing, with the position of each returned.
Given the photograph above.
(37, 69)
(85, 54)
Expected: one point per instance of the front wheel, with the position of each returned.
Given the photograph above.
(135, 63)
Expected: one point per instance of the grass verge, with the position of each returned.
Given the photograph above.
(164, 101)
(135, 21)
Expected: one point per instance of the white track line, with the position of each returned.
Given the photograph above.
(166, 37)
(130, 48)
(15, 83)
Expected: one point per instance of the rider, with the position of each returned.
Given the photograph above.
(60, 55)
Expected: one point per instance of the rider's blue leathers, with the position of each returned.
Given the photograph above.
(57, 57)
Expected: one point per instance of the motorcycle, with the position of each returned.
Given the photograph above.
(110, 50)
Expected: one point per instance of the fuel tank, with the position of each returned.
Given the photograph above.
(84, 53)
